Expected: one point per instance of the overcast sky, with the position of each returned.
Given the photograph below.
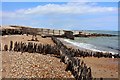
(62, 15)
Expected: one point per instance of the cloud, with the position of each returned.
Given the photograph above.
(63, 16)
(69, 8)
(56, 9)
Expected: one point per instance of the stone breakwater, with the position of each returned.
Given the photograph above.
(93, 35)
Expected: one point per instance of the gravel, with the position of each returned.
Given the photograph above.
(32, 65)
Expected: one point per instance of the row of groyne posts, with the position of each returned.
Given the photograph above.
(67, 55)
(77, 67)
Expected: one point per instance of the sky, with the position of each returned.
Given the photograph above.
(62, 15)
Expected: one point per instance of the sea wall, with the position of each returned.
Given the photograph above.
(10, 30)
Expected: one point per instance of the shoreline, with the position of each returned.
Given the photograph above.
(73, 44)
(103, 64)
(101, 67)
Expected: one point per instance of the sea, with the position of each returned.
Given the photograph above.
(100, 44)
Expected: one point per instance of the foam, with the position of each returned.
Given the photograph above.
(86, 46)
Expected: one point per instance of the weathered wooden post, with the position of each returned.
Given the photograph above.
(42, 31)
(48, 31)
(11, 45)
(53, 32)
(59, 32)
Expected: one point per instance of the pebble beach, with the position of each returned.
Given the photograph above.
(28, 65)
(31, 65)
(34, 65)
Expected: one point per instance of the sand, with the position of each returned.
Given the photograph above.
(27, 65)
(7, 38)
(31, 65)
(101, 67)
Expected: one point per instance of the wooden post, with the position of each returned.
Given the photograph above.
(59, 32)
(53, 32)
(48, 31)
(42, 31)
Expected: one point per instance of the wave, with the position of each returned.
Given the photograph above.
(87, 46)
(113, 48)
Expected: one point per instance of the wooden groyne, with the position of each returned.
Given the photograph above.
(67, 55)
(77, 67)
(89, 53)
(23, 47)
(86, 53)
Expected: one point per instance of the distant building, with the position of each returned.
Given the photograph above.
(68, 34)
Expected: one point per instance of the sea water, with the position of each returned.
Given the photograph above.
(104, 44)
